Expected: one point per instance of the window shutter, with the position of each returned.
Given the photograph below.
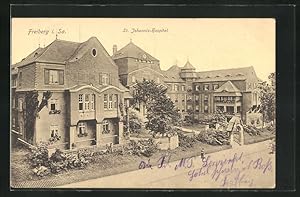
(46, 77)
(61, 77)
(100, 78)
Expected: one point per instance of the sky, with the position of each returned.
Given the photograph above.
(209, 44)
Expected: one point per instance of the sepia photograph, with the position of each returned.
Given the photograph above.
(149, 103)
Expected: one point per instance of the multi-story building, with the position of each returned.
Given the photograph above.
(230, 90)
(90, 89)
(87, 103)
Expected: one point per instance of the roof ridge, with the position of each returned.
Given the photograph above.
(46, 48)
(77, 49)
(248, 67)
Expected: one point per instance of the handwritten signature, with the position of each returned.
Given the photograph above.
(228, 172)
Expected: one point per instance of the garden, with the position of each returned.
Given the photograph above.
(38, 168)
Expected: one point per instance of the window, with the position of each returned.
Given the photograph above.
(196, 98)
(197, 108)
(93, 102)
(82, 131)
(110, 102)
(105, 125)
(176, 87)
(13, 122)
(80, 101)
(206, 87)
(183, 88)
(116, 101)
(205, 97)
(105, 101)
(217, 98)
(183, 98)
(20, 105)
(21, 127)
(133, 79)
(87, 102)
(20, 78)
(215, 86)
(220, 108)
(14, 82)
(54, 106)
(197, 88)
(205, 108)
(238, 109)
(94, 52)
(54, 131)
(54, 77)
(189, 107)
(105, 79)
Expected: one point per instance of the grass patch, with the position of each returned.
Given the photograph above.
(251, 139)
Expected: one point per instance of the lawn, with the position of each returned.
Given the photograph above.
(248, 139)
(104, 165)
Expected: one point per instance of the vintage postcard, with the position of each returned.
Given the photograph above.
(143, 103)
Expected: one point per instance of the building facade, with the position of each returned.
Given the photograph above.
(91, 89)
(232, 91)
(87, 100)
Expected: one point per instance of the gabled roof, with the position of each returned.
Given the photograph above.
(30, 58)
(172, 74)
(228, 87)
(244, 73)
(59, 51)
(133, 51)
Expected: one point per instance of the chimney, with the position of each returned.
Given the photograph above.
(115, 49)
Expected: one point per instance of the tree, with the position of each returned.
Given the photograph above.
(189, 119)
(32, 110)
(267, 98)
(135, 121)
(219, 117)
(161, 112)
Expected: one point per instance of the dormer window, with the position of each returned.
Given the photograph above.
(227, 75)
(94, 52)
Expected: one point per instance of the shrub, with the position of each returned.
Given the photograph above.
(186, 141)
(38, 156)
(141, 147)
(59, 161)
(252, 130)
(213, 137)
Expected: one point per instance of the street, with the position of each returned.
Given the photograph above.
(247, 166)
